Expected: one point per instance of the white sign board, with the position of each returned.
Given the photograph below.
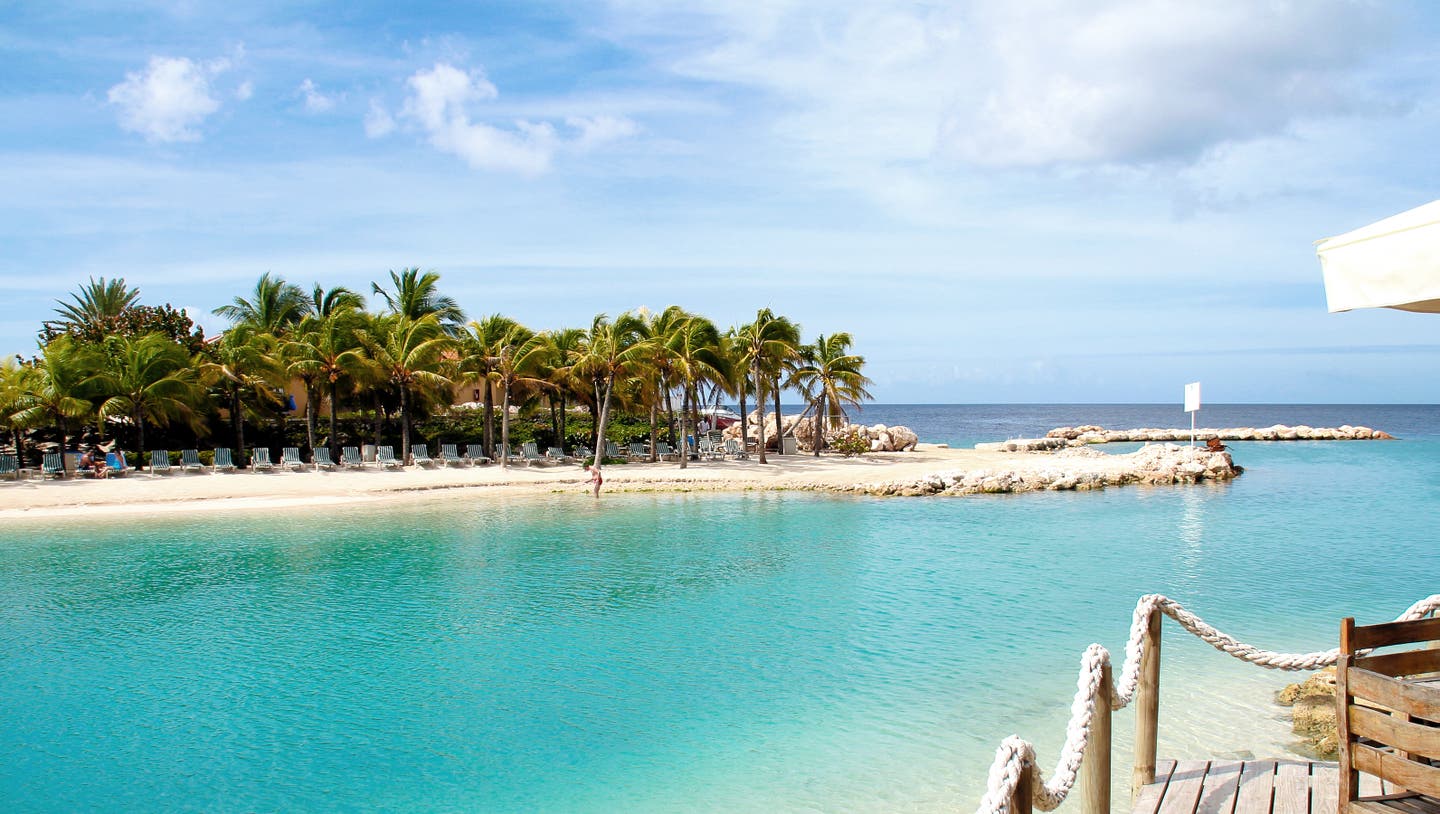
(1192, 397)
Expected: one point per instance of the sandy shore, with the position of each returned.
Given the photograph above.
(140, 493)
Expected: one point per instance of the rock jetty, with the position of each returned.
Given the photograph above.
(1091, 434)
(803, 427)
(1075, 469)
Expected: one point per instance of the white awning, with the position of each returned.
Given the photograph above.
(1393, 263)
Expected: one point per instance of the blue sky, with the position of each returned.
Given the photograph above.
(1001, 201)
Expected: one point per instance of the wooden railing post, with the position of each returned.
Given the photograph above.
(1023, 800)
(1147, 709)
(1095, 769)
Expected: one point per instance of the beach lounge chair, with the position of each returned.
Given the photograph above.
(734, 450)
(709, 450)
(290, 457)
(159, 461)
(9, 465)
(476, 454)
(260, 459)
(223, 460)
(665, 453)
(52, 463)
(420, 455)
(530, 454)
(350, 456)
(450, 454)
(584, 453)
(116, 462)
(558, 455)
(385, 456)
(190, 459)
(505, 454)
(323, 459)
(636, 452)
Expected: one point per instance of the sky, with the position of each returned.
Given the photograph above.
(1001, 201)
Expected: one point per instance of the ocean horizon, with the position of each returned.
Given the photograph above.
(685, 652)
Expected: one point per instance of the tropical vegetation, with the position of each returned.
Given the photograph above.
(111, 368)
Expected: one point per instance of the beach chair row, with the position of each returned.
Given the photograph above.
(52, 465)
(320, 458)
(707, 449)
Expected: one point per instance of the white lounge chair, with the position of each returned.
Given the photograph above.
(260, 459)
(322, 458)
(475, 453)
(223, 460)
(160, 462)
(420, 455)
(350, 456)
(450, 455)
(385, 456)
(290, 457)
(558, 455)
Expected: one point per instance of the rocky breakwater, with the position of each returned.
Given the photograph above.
(803, 427)
(1071, 469)
(1091, 434)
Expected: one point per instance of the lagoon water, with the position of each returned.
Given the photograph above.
(682, 652)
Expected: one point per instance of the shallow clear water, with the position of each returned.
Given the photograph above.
(753, 652)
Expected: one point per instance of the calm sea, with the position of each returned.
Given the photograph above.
(674, 652)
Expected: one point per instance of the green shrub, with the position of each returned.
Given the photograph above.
(850, 443)
(207, 457)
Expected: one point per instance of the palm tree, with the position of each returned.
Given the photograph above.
(521, 361)
(696, 356)
(479, 351)
(564, 348)
(96, 302)
(14, 382)
(275, 307)
(329, 302)
(328, 350)
(148, 379)
(416, 295)
(409, 354)
(246, 364)
(55, 390)
(830, 377)
(613, 353)
(769, 340)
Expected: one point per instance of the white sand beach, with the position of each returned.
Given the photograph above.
(142, 493)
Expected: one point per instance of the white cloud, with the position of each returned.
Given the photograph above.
(439, 104)
(245, 91)
(378, 121)
(315, 101)
(1000, 84)
(167, 100)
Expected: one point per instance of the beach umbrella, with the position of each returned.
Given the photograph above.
(1393, 263)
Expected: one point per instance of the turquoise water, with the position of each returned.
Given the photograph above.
(751, 652)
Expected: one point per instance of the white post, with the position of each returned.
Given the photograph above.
(1192, 406)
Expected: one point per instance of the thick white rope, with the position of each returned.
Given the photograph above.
(1015, 753)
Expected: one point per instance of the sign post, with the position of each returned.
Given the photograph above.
(1192, 406)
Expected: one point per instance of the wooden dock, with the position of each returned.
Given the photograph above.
(1256, 787)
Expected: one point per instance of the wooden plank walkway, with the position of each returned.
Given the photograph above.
(1246, 787)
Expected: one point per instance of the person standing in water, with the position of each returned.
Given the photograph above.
(595, 478)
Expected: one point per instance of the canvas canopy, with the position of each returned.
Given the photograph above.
(1393, 263)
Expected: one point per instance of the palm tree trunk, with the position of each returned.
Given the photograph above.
(818, 437)
(760, 408)
(489, 418)
(779, 433)
(684, 427)
(404, 425)
(334, 433)
(555, 423)
(375, 395)
(505, 425)
(238, 415)
(312, 417)
(600, 423)
(744, 419)
(654, 408)
(139, 428)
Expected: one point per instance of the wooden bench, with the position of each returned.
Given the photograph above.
(1389, 716)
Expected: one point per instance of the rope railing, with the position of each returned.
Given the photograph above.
(1016, 756)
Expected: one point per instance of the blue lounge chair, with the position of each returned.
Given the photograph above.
(322, 458)
(52, 463)
(385, 456)
(350, 456)
(476, 454)
(260, 459)
(223, 460)
(420, 455)
(116, 462)
(190, 459)
(160, 462)
(450, 454)
(9, 465)
(290, 457)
